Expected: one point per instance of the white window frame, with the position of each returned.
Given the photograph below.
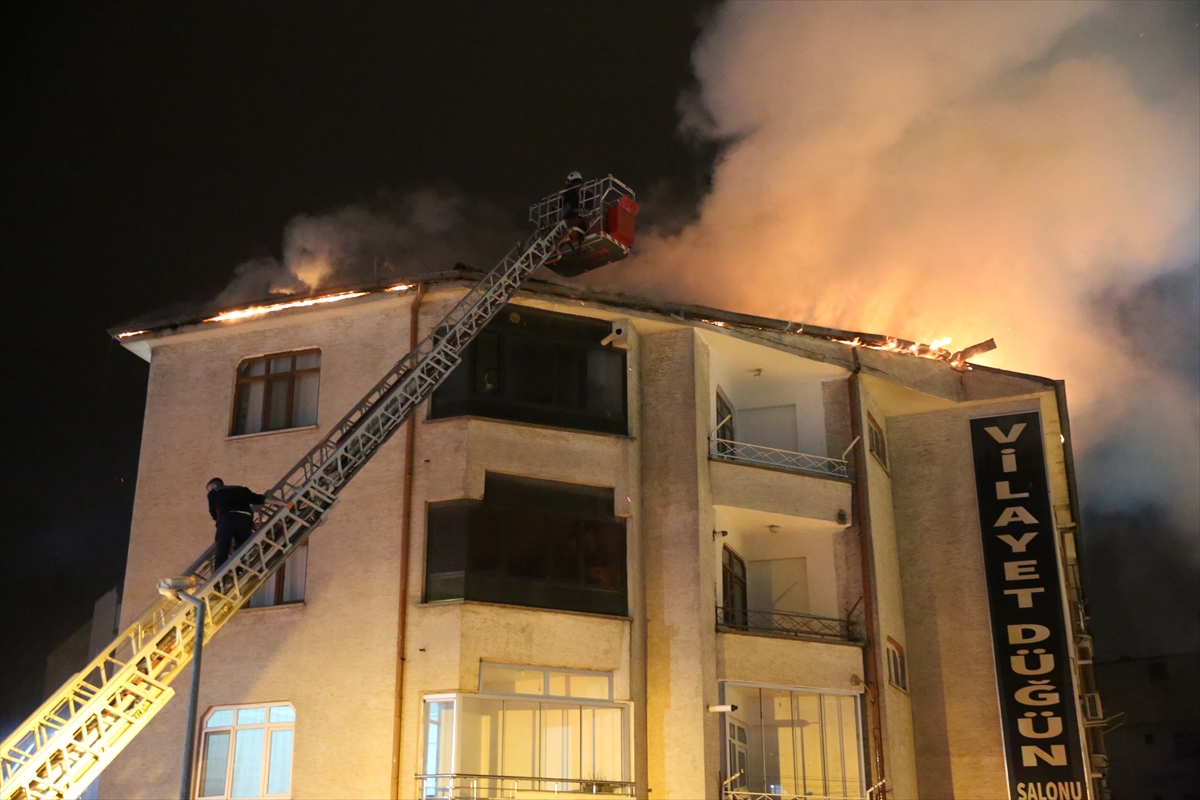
(269, 728)
(858, 701)
(457, 697)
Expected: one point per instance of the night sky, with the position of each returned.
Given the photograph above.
(149, 149)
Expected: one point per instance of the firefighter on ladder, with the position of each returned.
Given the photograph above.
(572, 214)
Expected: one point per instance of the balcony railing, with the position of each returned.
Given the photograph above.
(743, 794)
(760, 456)
(461, 786)
(785, 623)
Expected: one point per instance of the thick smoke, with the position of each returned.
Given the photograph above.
(424, 231)
(1022, 171)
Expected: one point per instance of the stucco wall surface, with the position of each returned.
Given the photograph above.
(952, 675)
(777, 492)
(337, 650)
(780, 662)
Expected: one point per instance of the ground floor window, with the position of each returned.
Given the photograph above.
(792, 742)
(538, 738)
(246, 751)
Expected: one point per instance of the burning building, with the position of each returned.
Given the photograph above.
(627, 548)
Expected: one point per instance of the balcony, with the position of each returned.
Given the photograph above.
(785, 624)
(459, 786)
(756, 455)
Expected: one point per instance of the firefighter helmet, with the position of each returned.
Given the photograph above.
(574, 176)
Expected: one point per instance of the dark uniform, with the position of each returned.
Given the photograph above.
(230, 507)
(571, 212)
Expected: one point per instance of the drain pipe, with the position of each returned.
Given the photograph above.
(174, 587)
(414, 318)
(862, 513)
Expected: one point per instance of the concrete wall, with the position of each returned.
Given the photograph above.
(959, 751)
(682, 737)
(333, 657)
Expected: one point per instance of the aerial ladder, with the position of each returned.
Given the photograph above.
(82, 727)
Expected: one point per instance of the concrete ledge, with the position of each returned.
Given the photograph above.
(778, 492)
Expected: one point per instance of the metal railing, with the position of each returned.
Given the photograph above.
(785, 623)
(760, 456)
(594, 196)
(463, 786)
(853, 793)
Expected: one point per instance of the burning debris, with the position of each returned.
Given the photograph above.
(937, 350)
(256, 311)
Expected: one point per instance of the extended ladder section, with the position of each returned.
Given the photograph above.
(79, 730)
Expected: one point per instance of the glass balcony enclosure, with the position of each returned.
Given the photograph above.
(529, 731)
(783, 743)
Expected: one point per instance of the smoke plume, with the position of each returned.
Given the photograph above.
(423, 231)
(1022, 171)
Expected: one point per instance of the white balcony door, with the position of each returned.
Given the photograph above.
(778, 584)
(770, 426)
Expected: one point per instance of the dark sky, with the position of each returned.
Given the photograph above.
(150, 148)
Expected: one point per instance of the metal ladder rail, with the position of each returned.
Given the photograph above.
(78, 731)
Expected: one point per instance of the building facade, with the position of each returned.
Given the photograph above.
(627, 548)
(1153, 710)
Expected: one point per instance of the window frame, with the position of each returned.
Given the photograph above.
(279, 578)
(730, 585)
(897, 665)
(269, 729)
(513, 329)
(240, 380)
(857, 717)
(877, 441)
(456, 699)
(486, 535)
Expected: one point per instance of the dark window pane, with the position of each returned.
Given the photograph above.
(524, 554)
(606, 382)
(487, 363)
(563, 548)
(277, 404)
(540, 367)
(524, 545)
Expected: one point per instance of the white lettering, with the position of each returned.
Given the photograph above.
(1020, 570)
(1025, 596)
(1006, 438)
(1020, 662)
(1008, 459)
(1054, 726)
(1057, 757)
(1017, 545)
(1038, 693)
(1037, 633)
(1014, 514)
(1003, 492)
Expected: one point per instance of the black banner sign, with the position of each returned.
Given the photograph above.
(1029, 629)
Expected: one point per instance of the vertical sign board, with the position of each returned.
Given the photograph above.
(1029, 628)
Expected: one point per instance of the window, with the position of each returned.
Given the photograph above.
(529, 542)
(733, 588)
(875, 441)
(540, 367)
(276, 392)
(897, 665)
(792, 742)
(533, 728)
(286, 584)
(246, 751)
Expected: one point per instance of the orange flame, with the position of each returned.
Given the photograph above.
(256, 311)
